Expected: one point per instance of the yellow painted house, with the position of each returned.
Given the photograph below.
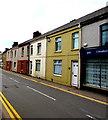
(63, 63)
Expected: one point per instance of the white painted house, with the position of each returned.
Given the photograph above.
(38, 57)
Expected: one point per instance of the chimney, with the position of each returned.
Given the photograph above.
(107, 3)
(6, 49)
(36, 34)
(15, 44)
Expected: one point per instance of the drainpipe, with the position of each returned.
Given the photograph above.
(79, 68)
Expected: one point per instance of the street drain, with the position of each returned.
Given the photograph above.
(5, 86)
(10, 86)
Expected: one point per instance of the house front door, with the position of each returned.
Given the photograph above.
(75, 73)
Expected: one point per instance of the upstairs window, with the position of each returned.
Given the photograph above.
(11, 54)
(104, 35)
(8, 54)
(58, 44)
(75, 38)
(31, 51)
(28, 49)
(22, 53)
(15, 53)
(39, 48)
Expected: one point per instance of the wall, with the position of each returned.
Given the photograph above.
(41, 57)
(14, 59)
(91, 34)
(67, 55)
(25, 57)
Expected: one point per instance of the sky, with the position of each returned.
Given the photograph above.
(20, 18)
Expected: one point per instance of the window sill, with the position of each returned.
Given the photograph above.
(58, 51)
(38, 53)
(57, 75)
(74, 49)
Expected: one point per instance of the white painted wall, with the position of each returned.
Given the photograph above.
(91, 33)
(41, 57)
(25, 57)
(12, 58)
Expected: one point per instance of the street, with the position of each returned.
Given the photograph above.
(35, 100)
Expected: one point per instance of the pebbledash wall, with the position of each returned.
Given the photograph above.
(38, 57)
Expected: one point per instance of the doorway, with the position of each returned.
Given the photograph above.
(75, 73)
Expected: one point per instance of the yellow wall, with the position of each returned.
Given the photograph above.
(67, 55)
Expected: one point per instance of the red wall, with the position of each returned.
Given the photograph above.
(8, 65)
(24, 68)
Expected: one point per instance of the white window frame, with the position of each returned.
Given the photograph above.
(74, 38)
(38, 62)
(58, 41)
(59, 64)
(39, 48)
(14, 65)
(31, 50)
(22, 52)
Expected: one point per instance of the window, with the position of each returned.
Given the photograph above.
(37, 65)
(31, 50)
(39, 48)
(22, 53)
(15, 53)
(58, 67)
(75, 38)
(11, 54)
(28, 50)
(58, 44)
(104, 35)
(8, 54)
(14, 65)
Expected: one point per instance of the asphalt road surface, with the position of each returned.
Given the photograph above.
(34, 100)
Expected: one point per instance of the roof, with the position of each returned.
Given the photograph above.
(87, 19)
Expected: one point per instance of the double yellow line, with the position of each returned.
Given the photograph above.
(11, 111)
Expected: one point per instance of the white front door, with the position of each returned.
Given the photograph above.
(75, 73)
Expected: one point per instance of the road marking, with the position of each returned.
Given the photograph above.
(92, 99)
(91, 117)
(10, 106)
(41, 93)
(7, 109)
(15, 80)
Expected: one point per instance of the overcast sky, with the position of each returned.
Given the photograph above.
(20, 18)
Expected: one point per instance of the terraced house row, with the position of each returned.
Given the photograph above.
(75, 54)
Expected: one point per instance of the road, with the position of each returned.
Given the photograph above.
(34, 100)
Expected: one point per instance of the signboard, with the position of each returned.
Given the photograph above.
(97, 52)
